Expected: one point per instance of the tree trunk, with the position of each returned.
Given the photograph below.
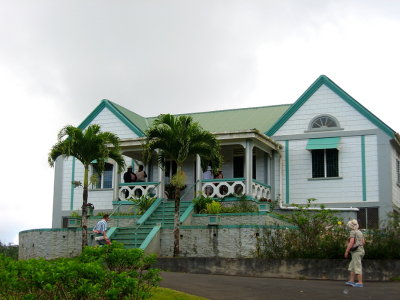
(176, 221)
(84, 207)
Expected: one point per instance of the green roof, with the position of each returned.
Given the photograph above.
(266, 119)
(261, 118)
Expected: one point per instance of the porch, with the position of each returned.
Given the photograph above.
(248, 165)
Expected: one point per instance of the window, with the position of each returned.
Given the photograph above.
(325, 163)
(104, 180)
(368, 217)
(324, 122)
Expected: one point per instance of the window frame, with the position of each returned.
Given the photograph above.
(326, 166)
(324, 128)
(102, 177)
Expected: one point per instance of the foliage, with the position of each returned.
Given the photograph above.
(144, 202)
(86, 146)
(75, 214)
(179, 179)
(9, 250)
(319, 233)
(108, 272)
(384, 243)
(242, 206)
(272, 203)
(178, 138)
(213, 208)
(200, 203)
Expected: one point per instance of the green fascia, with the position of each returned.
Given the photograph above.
(342, 94)
(113, 108)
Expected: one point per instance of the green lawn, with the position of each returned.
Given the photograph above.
(168, 294)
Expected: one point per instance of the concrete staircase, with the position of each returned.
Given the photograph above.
(133, 237)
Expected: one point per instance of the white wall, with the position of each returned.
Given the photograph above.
(325, 101)
(109, 122)
(395, 187)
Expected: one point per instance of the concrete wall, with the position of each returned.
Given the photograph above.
(332, 269)
(50, 243)
(240, 219)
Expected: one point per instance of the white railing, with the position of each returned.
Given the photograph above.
(137, 189)
(260, 190)
(217, 188)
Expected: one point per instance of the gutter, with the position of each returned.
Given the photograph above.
(284, 207)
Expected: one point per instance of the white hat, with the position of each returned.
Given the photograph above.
(209, 168)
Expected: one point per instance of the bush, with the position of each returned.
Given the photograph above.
(144, 203)
(213, 208)
(200, 204)
(318, 234)
(108, 272)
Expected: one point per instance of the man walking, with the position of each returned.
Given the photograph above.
(101, 231)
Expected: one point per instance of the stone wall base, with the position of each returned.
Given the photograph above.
(331, 269)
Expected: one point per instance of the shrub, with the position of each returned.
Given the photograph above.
(200, 203)
(213, 208)
(144, 203)
(108, 272)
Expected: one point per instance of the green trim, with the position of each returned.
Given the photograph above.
(50, 229)
(71, 203)
(150, 237)
(323, 143)
(342, 94)
(111, 232)
(223, 180)
(115, 217)
(232, 226)
(107, 104)
(287, 170)
(363, 169)
(186, 213)
(262, 184)
(139, 183)
(260, 213)
(148, 212)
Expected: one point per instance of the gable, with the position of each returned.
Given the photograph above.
(111, 119)
(324, 97)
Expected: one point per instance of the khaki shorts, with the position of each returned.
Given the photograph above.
(356, 257)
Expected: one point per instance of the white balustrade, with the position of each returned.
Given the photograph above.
(260, 190)
(136, 190)
(219, 189)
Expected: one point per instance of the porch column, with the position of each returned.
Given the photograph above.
(161, 179)
(248, 166)
(117, 181)
(199, 174)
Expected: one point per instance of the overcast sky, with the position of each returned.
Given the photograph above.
(58, 59)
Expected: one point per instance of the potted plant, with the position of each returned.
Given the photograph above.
(75, 220)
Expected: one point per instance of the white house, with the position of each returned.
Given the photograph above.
(326, 146)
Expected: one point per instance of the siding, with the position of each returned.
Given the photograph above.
(395, 186)
(109, 122)
(325, 101)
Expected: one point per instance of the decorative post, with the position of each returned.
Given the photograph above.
(199, 173)
(248, 165)
(161, 179)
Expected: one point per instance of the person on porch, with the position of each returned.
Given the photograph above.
(129, 176)
(208, 175)
(141, 174)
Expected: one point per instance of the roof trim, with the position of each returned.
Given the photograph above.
(108, 104)
(342, 94)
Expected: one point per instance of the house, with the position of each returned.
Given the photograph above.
(325, 146)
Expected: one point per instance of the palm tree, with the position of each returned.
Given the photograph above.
(87, 146)
(176, 138)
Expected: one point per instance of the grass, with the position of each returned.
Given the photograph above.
(168, 294)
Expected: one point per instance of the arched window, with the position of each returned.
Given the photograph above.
(324, 122)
